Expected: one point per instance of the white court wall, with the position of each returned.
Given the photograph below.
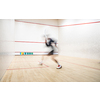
(81, 40)
(6, 44)
(26, 31)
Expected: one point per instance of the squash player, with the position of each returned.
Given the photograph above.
(50, 43)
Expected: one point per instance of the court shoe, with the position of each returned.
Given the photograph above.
(40, 63)
(59, 66)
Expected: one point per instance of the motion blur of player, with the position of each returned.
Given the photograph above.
(49, 43)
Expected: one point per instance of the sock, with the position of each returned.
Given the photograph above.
(58, 63)
(41, 62)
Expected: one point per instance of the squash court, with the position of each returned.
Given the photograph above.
(27, 69)
(22, 47)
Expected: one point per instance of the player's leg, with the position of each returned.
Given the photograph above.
(42, 60)
(53, 58)
(43, 57)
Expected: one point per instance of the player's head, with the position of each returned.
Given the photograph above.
(48, 38)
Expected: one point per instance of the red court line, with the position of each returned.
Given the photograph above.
(28, 68)
(44, 64)
(29, 42)
(32, 51)
(59, 26)
(25, 68)
(36, 23)
(22, 61)
(79, 24)
(80, 65)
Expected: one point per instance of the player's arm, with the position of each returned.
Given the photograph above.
(45, 40)
(56, 46)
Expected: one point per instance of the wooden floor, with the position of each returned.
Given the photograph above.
(27, 69)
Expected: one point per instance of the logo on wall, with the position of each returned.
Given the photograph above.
(26, 53)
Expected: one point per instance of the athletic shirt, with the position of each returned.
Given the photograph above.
(49, 44)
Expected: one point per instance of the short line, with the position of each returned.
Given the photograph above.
(44, 64)
(81, 65)
(25, 68)
(28, 68)
(23, 61)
